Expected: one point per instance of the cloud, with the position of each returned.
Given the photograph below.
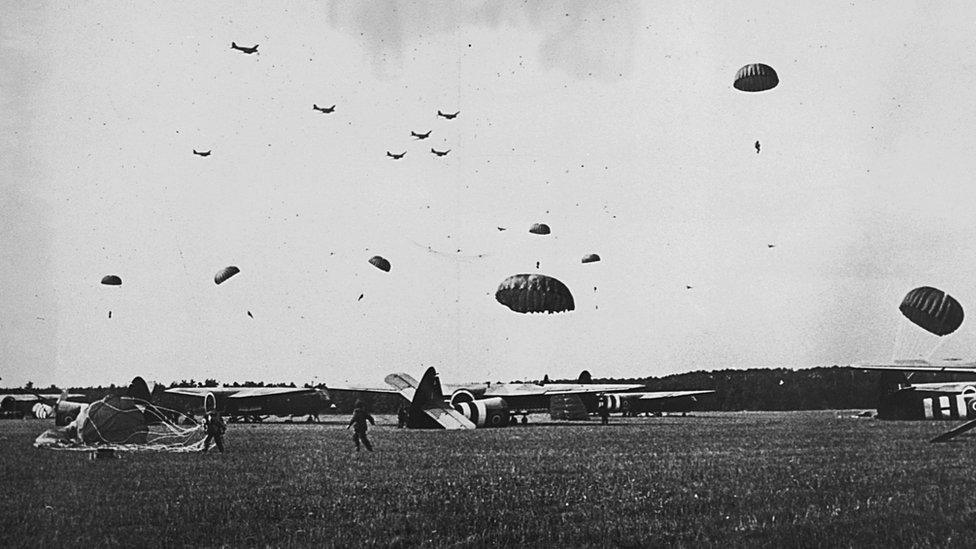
(583, 39)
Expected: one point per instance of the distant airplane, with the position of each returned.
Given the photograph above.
(899, 399)
(202, 153)
(252, 49)
(473, 405)
(249, 404)
(656, 402)
(420, 135)
(448, 116)
(396, 156)
(757, 147)
(326, 110)
(439, 153)
(37, 405)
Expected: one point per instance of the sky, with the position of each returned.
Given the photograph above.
(615, 123)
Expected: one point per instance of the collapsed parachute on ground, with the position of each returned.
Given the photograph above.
(755, 77)
(111, 280)
(380, 263)
(933, 310)
(591, 258)
(533, 293)
(225, 273)
(123, 423)
(539, 228)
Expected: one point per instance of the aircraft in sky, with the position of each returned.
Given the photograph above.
(952, 400)
(244, 49)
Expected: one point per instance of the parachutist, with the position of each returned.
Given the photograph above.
(214, 425)
(358, 421)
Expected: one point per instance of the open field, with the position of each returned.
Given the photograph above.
(793, 479)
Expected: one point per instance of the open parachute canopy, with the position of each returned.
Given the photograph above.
(380, 263)
(111, 280)
(591, 258)
(539, 228)
(534, 293)
(933, 310)
(225, 273)
(755, 77)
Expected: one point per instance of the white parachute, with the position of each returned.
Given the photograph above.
(126, 424)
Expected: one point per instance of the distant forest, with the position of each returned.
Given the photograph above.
(765, 389)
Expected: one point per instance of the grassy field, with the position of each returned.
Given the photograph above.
(771, 479)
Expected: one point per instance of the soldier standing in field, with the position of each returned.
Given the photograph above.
(403, 417)
(604, 412)
(358, 422)
(214, 425)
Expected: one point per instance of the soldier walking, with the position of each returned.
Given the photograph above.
(358, 422)
(214, 426)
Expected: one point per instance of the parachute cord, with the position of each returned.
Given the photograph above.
(159, 442)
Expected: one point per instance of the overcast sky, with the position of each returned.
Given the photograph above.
(616, 123)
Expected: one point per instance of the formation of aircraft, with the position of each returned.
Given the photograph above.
(902, 400)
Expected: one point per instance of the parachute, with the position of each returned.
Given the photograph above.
(123, 423)
(111, 280)
(380, 263)
(225, 273)
(755, 77)
(533, 293)
(591, 258)
(539, 228)
(113, 420)
(933, 310)
(937, 314)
